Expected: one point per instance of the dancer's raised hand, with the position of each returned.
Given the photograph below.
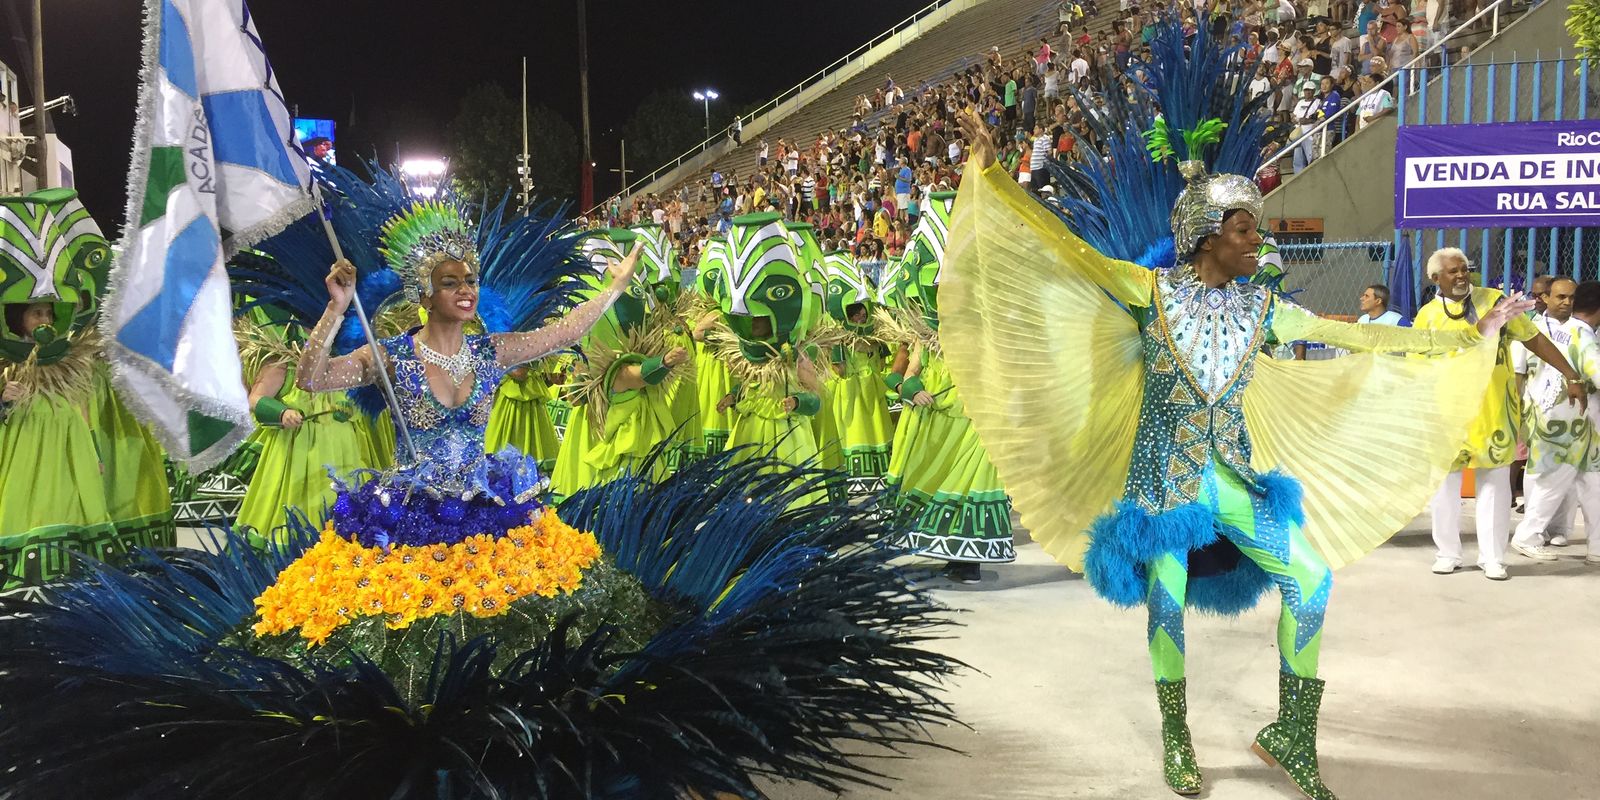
(341, 283)
(979, 137)
(1517, 303)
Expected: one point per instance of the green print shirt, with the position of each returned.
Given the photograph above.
(1558, 433)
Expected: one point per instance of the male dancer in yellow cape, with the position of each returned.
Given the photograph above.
(1145, 441)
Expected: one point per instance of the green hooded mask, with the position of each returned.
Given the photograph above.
(658, 262)
(767, 278)
(848, 289)
(601, 247)
(711, 272)
(51, 251)
(810, 252)
(922, 266)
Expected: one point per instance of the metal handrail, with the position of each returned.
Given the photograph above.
(1492, 10)
(773, 104)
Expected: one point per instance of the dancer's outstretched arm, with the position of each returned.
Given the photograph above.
(512, 349)
(1131, 284)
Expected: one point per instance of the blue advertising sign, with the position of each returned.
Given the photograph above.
(1498, 175)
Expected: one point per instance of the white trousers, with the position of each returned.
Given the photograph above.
(1494, 515)
(1551, 493)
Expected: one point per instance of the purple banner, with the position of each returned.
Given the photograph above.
(1498, 175)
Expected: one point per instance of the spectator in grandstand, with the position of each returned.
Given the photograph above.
(1029, 101)
(1392, 18)
(761, 153)
(1374, 304)
(1374, 104)
(1307, 113)
(1404, 48)
(1332, 103)
(1370, 46)
(1368, 12)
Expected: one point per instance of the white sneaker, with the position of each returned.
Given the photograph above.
(1495, 572)
(1536, 552)
(1592, 558)
(1445, 566)
(1557, 540)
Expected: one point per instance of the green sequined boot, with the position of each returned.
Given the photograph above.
(1291, 742)
(1177, 751)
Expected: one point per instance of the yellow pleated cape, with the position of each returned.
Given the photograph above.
(1052, 372)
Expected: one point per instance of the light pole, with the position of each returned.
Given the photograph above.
(706, 97)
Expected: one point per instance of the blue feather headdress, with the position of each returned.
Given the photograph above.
(528, 263)
(1120, 204)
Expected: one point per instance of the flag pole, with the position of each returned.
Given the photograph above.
(366, 329)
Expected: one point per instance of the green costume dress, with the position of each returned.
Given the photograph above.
(946, 489)
(658, 265)
(521, 418)
(52, 492)
(77, 473)
(771, 302)
(138, 497)
(612, 431)
(293, 467)
(855, 391)
(712, 381)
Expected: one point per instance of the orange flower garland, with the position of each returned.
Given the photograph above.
(338, 580)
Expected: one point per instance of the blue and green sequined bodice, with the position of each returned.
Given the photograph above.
(449, 438)
(1200, 346)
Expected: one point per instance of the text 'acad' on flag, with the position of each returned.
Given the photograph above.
(214, 169)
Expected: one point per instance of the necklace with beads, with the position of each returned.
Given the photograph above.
(458, 366)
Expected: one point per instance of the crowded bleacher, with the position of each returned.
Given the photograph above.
(862, 181)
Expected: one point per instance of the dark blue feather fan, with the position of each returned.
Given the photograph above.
(1120, 204)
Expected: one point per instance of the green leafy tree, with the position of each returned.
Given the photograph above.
(486, 140)
(553, 151)
(669, 122)
(1583, 22)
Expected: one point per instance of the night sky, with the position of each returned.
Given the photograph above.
(401, 65)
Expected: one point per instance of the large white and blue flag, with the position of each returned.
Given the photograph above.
(215, 168)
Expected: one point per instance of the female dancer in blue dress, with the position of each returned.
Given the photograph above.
(444, 379)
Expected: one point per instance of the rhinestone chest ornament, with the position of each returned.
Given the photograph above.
(457, 366)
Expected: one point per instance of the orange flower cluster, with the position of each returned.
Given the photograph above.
(338, 580)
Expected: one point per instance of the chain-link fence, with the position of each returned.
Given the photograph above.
(1328, 277)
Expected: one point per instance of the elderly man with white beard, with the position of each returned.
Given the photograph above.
(1491, 443)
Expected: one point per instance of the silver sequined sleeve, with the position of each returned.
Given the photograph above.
(318, 372)
(512, 349)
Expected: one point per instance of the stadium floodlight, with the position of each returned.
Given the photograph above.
(423, 176)
(706, 96)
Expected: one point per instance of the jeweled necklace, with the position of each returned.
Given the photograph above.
(457, 366)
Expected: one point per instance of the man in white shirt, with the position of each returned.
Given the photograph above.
(1342, 50)
(1080, 68)
(1563, 446)
(1307, 113)
(1375, 307)
(1525, 365)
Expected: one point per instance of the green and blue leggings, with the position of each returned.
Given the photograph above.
(1277, 546)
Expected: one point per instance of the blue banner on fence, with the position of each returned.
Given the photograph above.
(1500, 175)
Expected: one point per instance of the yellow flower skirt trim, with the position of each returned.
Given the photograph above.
(337, 580)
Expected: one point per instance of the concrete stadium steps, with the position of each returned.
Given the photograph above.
(1012, 25)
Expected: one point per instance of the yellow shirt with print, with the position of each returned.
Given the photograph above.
(1492, 439)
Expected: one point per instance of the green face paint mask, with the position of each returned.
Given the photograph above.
(53, 252)
(658, 262)
(601, 247)
(768, 298)
(849, 294)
